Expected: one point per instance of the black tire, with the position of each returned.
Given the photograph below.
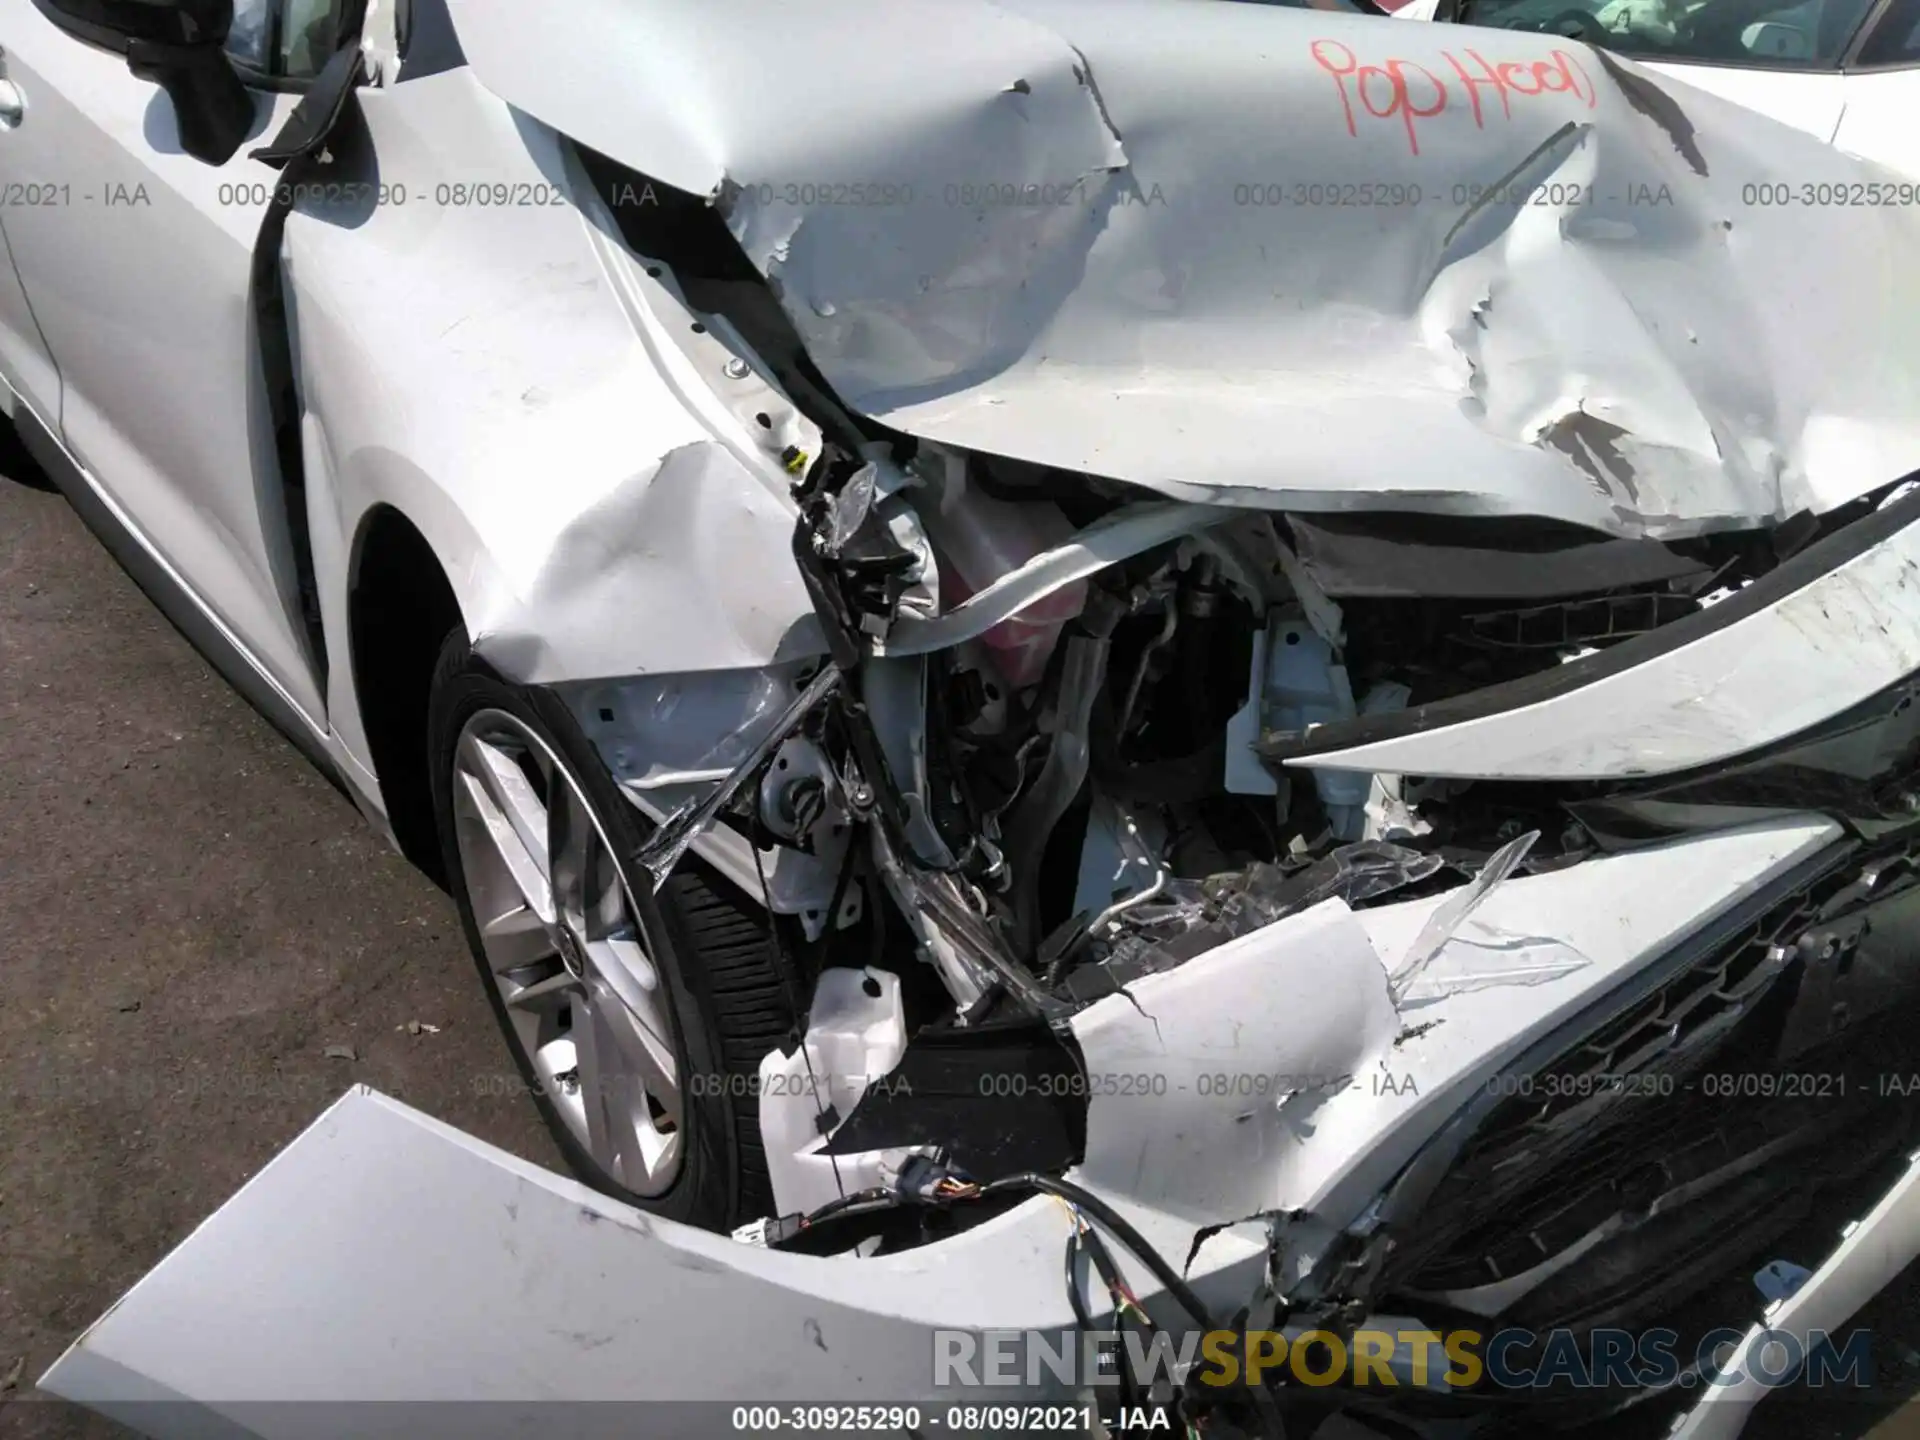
(714, 949)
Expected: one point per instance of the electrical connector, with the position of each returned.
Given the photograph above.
(929, 1179)
(770, 1230)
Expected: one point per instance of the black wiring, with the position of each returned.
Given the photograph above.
(861, 1202)
(881, 1198)
(1116, 1225)
(1129, 1390)
(1081, 1315)
(1083, 1237)
(1102, 1259)
(834, 1207)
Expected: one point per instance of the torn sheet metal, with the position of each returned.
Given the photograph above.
(1247, 254)
(689, 820)
(667, 739)
(571, 441)
(1794, 648)
(1125, 533)
(1377, 557)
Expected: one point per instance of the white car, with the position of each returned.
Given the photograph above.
(1269, 646)
(1847, 71)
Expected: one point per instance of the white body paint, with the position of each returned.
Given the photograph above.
(586, 458)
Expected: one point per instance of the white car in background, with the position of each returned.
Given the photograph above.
(1270, 653)
(1847, 71)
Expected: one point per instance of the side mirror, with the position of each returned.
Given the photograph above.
(1776, 41)
(177, 44)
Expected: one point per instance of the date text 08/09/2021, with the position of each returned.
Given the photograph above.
(958, 1419)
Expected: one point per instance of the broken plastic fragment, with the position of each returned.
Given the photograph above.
(1133, 956)
(1322, 611)
(1355, 873)
(1177, 906)
(1184, 918)
(1523, 960)
(1779, 1280)
(848, 510)
(678, 831)
(1446, 920)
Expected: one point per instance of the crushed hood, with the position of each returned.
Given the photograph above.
(1251, 255)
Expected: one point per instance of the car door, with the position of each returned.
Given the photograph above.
(1882, 120)
(140, 284)
(26, 365)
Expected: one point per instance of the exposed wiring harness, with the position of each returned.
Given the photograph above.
(1091, 1206)
(1084, 1240)
(927, 1180)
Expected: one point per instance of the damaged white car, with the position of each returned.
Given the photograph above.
(1018, 625)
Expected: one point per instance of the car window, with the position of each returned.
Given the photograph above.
(1894, 39)
(285, 40)
(1808, 35)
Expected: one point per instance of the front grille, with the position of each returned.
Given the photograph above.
(1667, 1033)
(1583, 1146)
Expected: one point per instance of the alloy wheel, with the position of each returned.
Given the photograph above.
(565, 945)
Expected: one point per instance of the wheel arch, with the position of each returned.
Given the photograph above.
(401, 605)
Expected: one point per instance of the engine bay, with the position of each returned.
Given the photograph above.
(1075, 770)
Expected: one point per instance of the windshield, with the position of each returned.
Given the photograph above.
(1809, 35)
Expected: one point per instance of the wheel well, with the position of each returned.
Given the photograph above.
(400, 609)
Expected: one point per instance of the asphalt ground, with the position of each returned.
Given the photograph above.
(191, 918)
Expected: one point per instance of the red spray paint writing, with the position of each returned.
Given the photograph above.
(1409, 92)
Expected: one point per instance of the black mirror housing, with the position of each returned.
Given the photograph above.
(213, 109)
(177, 45)
(114, 24)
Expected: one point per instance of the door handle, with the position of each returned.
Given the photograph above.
(13, 105)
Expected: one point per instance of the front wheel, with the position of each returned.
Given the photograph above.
(636, 1021)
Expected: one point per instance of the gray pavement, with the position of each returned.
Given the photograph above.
(189, 916)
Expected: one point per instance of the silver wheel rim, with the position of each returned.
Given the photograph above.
(563, 941)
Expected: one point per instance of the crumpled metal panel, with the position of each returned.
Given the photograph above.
(651, 550)
(1245, 254)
